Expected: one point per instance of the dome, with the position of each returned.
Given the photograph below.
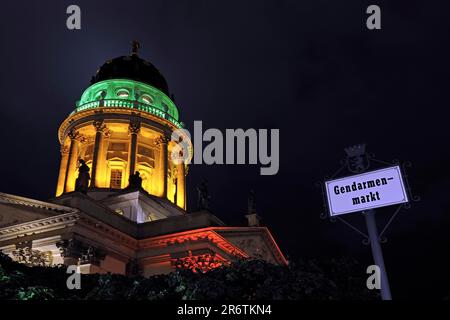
(134, 68)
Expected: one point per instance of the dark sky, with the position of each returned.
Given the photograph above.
(310, 68)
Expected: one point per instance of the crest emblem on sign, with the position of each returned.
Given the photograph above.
(357, 158)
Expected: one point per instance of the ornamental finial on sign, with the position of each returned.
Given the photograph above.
(355, 150)
(357, 158)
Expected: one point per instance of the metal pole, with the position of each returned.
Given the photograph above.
(377, 253)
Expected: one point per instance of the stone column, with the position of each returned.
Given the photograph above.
(133, 129)
(175, 184)
(162, 164)
(62, 169)
(180, 201)
(71, 161)
(163, 160)
(99, 128)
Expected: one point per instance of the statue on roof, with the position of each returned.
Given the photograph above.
(203, 197)
(251, 202)
(135, 181)
(82, 182)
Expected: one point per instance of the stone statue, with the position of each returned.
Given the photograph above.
(135, 181)
(251, 202)
(203, 196)
(82, 182)
(253, 218)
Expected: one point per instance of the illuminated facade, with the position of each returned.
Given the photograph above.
(122, 124)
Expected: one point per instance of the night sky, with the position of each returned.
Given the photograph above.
(309, 68)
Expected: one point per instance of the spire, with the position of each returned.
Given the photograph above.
(135, 45)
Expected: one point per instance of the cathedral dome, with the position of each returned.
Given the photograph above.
(134, 68)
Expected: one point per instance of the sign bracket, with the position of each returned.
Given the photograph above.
(358, 162)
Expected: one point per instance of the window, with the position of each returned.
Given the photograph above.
(147, 152)
(116, 179)
(118, 146)
(119, 211)
(123, 93)
(146, 156)
(147, 99)
(117, 150)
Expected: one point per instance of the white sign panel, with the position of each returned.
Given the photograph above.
(365, 191)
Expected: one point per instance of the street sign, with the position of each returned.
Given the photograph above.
(369, 190)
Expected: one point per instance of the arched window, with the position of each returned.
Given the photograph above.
(147, 99)
(115, 182)
(123, 93)
(116, 173)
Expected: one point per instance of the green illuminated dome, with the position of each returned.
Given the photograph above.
(132, 83)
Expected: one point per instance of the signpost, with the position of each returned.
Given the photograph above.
(363, 192)
(377, 254)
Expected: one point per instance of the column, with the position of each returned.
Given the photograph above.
(180, 201)
(186, 171)
(377, 253)
(163, 165)
(99, 128)
(133, 129)
(62, 170)
(175, 184)
(71, 161)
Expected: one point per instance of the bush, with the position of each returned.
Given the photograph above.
(244, 280)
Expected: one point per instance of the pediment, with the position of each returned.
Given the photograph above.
(257, 242)
(16, 214)
(16, 210)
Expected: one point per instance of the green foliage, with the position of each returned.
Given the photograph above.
(35, 293)
(243, 280)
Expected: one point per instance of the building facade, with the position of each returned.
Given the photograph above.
(120, 203)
